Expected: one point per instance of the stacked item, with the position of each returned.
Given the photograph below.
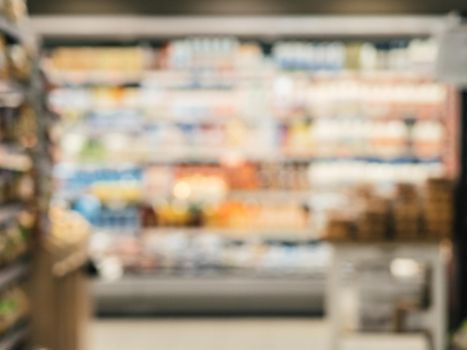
(373, 221)
(247, 215)
(239, 196)
(399, 217)
(407, 213)
(438, 208)
(339, 227)
(20, 154)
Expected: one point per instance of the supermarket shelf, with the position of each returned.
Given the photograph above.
(116, 27)
(376, 74)
(273, 195)
(189, 156)
(92, 78)
(148, 79)
(156, 76)
(294, 235)
(12, 273)
(240, 234)
(217, 156)
(232, 158)
(148, 295)
(96, 122)
(14, 338)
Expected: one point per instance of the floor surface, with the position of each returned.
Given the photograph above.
(208, 334)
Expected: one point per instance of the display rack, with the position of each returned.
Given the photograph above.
(19, 152)
(110, 101)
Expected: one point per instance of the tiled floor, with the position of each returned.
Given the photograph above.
(208, 334)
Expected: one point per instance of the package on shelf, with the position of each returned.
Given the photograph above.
(20, 62)
(340, 173)
(407, 212)
(242, 216)
(220, 56)
(96, 65)
(117, 192)
(373, 220)
(202, 52)
(197, 184)
(428, 139)
(339, 226)
(410, 213)
(438, 207)
(376, 100)
(397, 55)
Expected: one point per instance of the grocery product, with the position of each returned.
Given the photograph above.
(438, 207)
(407, 212)
(411, 213)
(23, 166)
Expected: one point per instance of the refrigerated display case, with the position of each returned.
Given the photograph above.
(209, 165)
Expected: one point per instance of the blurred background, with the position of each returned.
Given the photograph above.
(212, 174)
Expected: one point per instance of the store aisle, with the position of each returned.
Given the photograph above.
(208, 334)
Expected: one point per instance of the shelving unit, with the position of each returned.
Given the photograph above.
(167, 94)
(20, 148)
